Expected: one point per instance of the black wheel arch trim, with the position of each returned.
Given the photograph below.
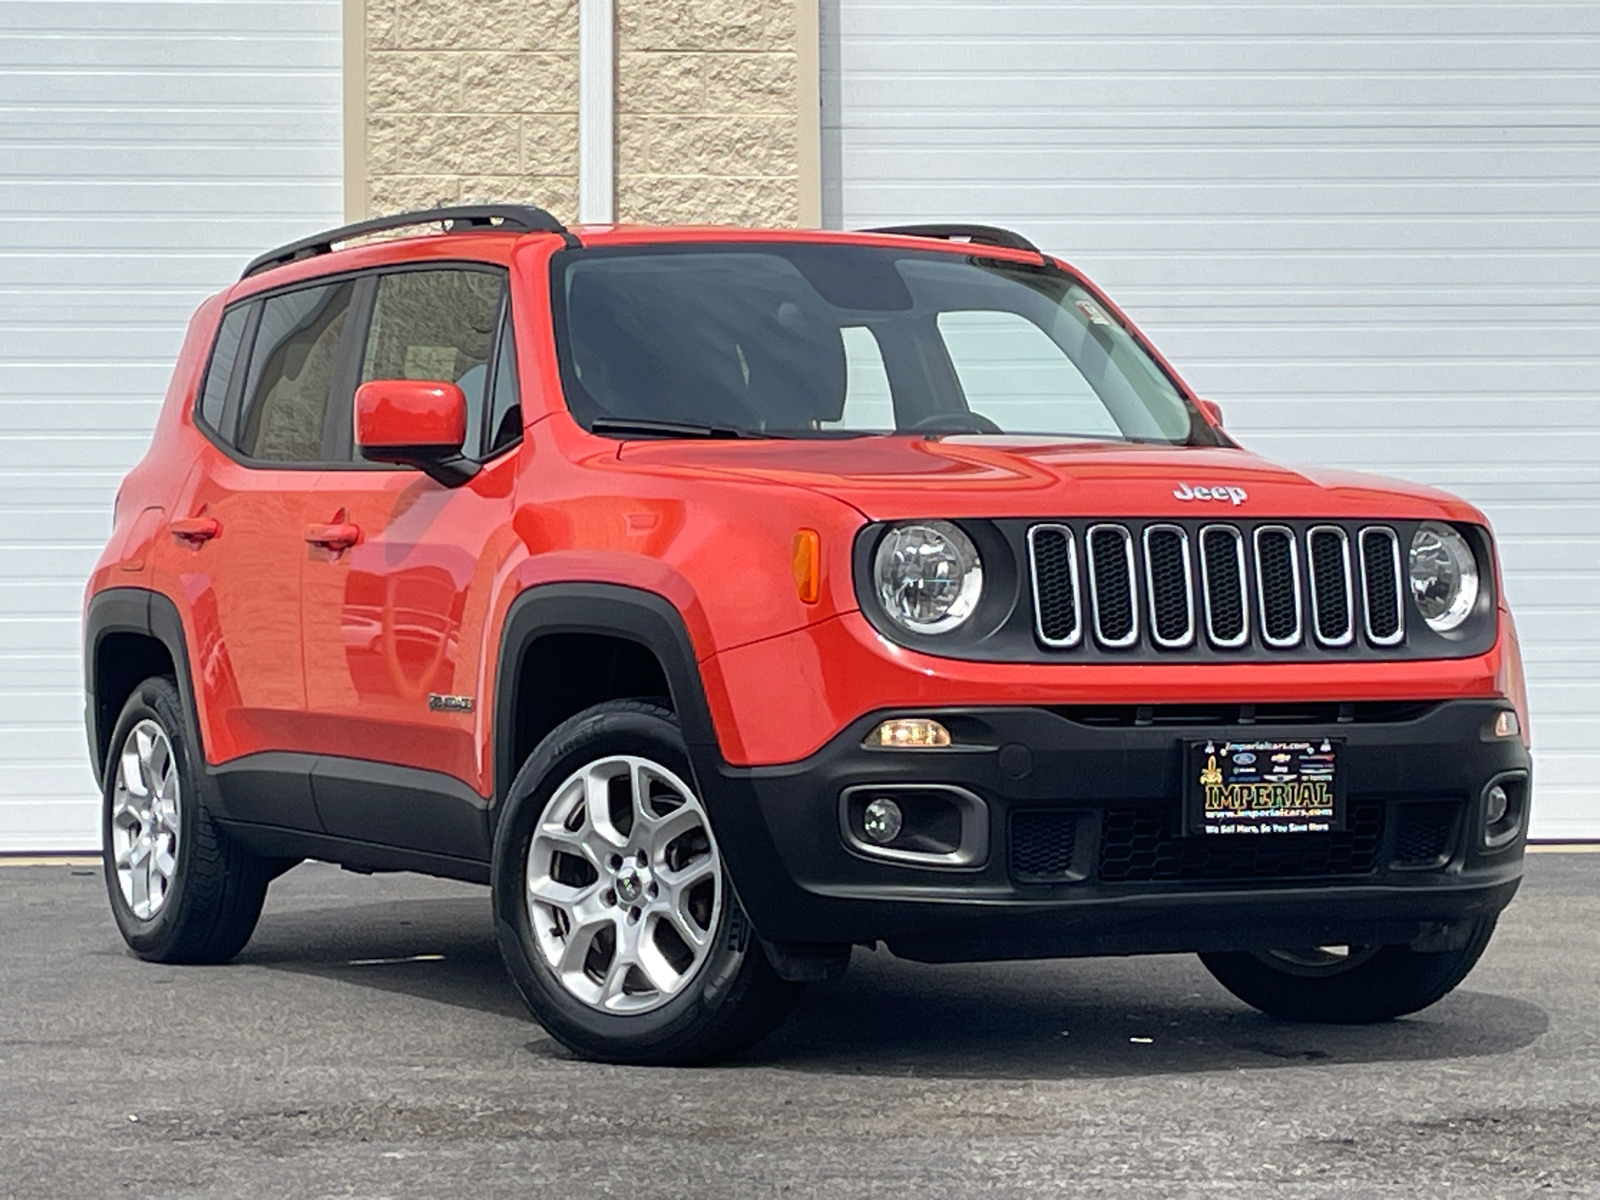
(605, 609)
(150, 614)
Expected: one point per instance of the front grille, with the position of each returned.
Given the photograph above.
(1141, 846)
(1042, 845)
(1423, 833)
(1172, 587)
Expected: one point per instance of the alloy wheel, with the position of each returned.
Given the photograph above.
(624, 885)
(145, 819)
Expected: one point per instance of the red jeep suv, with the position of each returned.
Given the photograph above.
(725, 599)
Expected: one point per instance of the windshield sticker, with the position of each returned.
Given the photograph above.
(1092, 311)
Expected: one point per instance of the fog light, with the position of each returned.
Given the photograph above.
(882, 821)
(910, 732)
(1495, 806)
(1507, 725)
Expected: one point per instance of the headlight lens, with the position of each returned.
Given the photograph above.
(928, 576)
(1444, 576)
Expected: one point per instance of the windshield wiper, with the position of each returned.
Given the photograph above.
(629, 427)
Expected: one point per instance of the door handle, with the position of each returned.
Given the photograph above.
(196, 530)
(334, 537)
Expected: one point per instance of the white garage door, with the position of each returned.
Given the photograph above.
(147, 151)
(1371, 231)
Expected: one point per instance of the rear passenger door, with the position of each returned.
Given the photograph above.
(237, 553)
(394, 624)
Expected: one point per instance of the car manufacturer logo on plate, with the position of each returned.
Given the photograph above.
(1235, 495)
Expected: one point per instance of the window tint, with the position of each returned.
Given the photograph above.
(437, 325)
(505, 406)
(224, 356)
(1012, 373)
(292, 372)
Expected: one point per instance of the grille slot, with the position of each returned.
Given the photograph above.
(1056, 602)
(1332, 606)
(1111, 586)
(1224, 596)
(1380, 573)
(1140, 846)
(1278, 585)
(1042, 845)
(1170, 579)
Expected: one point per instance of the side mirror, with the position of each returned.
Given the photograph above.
(417, 423)
(1212, 410)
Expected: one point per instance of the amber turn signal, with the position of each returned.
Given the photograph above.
(807, 564)
(910, 733)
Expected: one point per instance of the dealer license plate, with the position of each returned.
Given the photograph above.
(1254, 788)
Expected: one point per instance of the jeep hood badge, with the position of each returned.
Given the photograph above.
(1216, 492)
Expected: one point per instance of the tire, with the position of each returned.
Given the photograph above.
(1368, 984)
(185, 893)
(623, 935)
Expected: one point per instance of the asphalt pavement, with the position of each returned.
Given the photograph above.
(367, 1043)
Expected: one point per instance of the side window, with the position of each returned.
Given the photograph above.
(292, 371)
(1016, 376)
(224, 357)
(437, 325)
(505, 407)
(868, 403)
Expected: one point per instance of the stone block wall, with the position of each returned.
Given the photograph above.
(477, 100)
(472, 101)
(707, 113)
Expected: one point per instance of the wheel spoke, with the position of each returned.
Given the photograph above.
(684, 925)
(657, 969)
(597, 801)
(132, 773)
(578, 940)
(165, 859)
(668, 829)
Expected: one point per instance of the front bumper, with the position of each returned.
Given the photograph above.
(1410, 867)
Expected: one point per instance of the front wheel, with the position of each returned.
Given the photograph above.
(615, 915)
(1347, 985)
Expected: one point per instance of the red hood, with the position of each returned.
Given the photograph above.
(896, 477)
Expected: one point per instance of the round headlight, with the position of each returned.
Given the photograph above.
(928, 576)
(1444, 576)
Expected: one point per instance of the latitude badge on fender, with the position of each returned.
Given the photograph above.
(1216, 492)
(438, 703)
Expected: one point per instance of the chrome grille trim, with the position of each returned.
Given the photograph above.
(1243, 636)
(1187, 637)
(1349, 620)
(1382, 533)
(1294, 639)
(1072, 570)
(1090, 537)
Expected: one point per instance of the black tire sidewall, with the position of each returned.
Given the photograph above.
(664, 1034)
(156, 700)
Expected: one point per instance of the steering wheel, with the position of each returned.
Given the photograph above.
(953, 422)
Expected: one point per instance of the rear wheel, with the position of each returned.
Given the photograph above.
(615, 915)
(180, 890)
(1347, 985)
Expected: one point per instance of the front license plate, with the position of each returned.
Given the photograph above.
(1254, 788)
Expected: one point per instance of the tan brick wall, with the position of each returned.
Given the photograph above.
(471, 101)
(477, 100)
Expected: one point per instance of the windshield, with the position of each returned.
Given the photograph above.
(798, 340)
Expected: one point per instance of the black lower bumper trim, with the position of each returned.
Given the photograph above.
(1086, 852)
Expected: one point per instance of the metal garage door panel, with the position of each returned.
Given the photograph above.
(147, 151)
(1371, 231)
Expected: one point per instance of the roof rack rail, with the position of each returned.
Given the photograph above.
(982, 235)
(514, 218)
